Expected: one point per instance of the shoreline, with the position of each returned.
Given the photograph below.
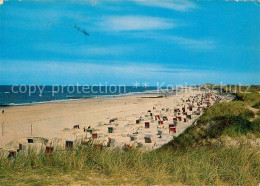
(78, 99)
(71, 98)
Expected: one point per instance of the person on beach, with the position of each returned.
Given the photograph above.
(3, 111)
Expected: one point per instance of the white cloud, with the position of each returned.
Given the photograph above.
(88, 50)
(92, 71)
(177, 5)
(109, 50)
(200, 44)
(197, 44)
(116, 72)
(131, 23)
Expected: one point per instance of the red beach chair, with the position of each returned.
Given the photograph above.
(172, 130)
(147, 125)
(171, 125)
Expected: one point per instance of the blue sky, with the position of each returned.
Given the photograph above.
(175, 42)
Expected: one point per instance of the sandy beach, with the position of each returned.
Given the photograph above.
(56, 120)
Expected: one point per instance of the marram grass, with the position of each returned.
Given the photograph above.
(89, 165)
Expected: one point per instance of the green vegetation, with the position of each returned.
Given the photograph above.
(257, 105)
(234, 108)
(90, 165)
(252, 98)
(233, 119)
(234, 88)
(230, 119)
(256, 125)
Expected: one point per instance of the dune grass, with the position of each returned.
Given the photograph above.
(232, 119)
(252, 98)
(234, 88)
(256, 124)
(234, 108)
(89, 165)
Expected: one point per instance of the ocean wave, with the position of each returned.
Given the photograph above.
(23, 99)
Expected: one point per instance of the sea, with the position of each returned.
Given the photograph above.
(26, 94)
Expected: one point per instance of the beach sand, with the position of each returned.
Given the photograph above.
(49, 120)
